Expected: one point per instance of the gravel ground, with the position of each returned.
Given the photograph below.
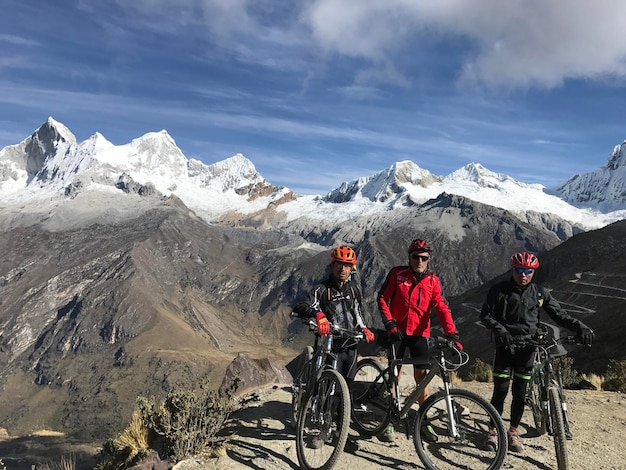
(262, 438)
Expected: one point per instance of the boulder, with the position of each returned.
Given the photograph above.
(253, 374)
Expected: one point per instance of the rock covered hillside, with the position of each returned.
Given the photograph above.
(116, 281)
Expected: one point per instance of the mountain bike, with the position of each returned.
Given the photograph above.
(451, 426)
(545, 395)
(320, 401)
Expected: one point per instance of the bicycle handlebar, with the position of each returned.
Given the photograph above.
(542, 342)
(335, 329)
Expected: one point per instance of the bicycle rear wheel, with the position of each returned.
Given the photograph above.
(371, 398)
(536, 406)
(438, 449)
(323, 422)
(558, 428)
(298, 387)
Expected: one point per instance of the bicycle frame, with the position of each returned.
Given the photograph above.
(321, 400)
(437, 367)
(449, 429)
(544, 373)
(323, 357)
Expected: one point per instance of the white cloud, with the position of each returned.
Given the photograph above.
(500, 44)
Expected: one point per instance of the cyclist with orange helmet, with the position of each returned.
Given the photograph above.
(338, 300)
(512, 309)
(405, 301)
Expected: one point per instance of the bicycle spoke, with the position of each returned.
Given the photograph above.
(558, 427)
(323, 423)
(371, 399)
(473, 415)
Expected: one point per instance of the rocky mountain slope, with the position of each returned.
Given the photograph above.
(117, 281)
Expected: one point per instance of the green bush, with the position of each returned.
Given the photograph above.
(480, 371)
(615, 377)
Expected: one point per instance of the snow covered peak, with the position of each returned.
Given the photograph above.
(59, 129)
(388, 185)
(617, 159)
(603, 188)
(478, 174)
(50, 161)
(234, 173)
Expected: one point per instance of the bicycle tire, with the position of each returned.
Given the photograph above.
(474, 417)
(371, 398)
(536, 406)
(298, 388)
(558, 428)
(323, 422)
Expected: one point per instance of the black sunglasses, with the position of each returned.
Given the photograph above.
(420, 257)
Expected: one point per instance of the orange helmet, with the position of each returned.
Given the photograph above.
(524, 260)
(420, 246)
(343, 254)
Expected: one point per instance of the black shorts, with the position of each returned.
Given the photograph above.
(414, 347)
(519, 363)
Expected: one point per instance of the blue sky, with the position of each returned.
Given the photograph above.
(318, 92)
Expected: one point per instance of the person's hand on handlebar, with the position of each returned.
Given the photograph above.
(369, 336)
(323, 327)
(393, 333)
(504, 338)
(454, 337)
(585, 336)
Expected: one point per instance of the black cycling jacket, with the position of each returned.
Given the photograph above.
(341, 305)
(514, 309)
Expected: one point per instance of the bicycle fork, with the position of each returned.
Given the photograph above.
(323, 398)
(453, 431)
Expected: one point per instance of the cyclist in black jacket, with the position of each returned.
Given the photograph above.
(338, 299)
(512, 309)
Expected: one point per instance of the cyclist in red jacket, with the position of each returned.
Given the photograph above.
(405, 302)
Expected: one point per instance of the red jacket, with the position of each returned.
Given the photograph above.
(409, 298)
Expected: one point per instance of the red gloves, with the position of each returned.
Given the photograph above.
(369, 336)
(323, 327)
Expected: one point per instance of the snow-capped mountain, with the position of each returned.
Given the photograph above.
(602, 189)
(50, 161)
(52, 164)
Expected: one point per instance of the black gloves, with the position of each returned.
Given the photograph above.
(504, 338)
(392, 331)
(585, 336)
(455, 338)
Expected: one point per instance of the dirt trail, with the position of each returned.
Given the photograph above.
(264, 439)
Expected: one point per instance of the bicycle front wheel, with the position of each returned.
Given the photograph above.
(323, 422)
(371, 398)
(458, 441)
(558, 428)
(298, 387)
(536, 406)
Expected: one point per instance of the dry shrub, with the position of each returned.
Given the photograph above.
(595, 380)
(134, 439)
(68, 462)
(615, 377)
(480, 371)
(184, 424)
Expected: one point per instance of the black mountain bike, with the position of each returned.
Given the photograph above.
(457, 420)
(320, 401)
(545, 395)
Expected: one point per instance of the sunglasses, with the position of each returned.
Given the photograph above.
(524, 271)
(421, 258)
